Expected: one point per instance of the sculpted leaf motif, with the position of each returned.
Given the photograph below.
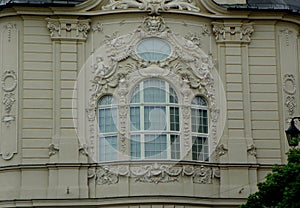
(154, 6)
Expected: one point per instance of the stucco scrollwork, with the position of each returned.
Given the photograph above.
(222, 150)
(9, 85)
(154, 173)
(233, 32)
(9, 81)
(68, 28)
(154, 6)
(53, 149)
(117, 68)
(251, 149)
(289, 84)
(289, 87)
(286, 32)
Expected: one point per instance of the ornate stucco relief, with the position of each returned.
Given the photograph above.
(9, 90)
(231, 32)
(289, 88)
(53, 149)
(154, 173)
(116, 67)
(154, 6)
(71, 29)
(222, 150)
(286, 32)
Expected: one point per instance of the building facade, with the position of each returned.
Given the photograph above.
(144, 103)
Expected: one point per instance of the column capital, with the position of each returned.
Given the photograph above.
(68, 29)
(230, 32)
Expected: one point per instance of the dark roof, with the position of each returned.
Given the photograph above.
(40, 2)
(271, 5)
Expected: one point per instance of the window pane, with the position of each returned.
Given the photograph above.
(175, 147)
(153, 49)
(154, 91)
(135, 147)
(107, 120)
(174, 118)
(199, 121)
(155, 146)
(106, 100)
(173, 96)
(200, 148)
(135, 98)
(135, 118)
(155, 118)
(199, 101)
(108, 148)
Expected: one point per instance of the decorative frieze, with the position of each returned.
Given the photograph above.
(153, 173)
(70, 29)
(9, 90)
(153, 6)
(233, 32)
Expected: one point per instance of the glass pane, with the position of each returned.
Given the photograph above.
(135, 118)
(173, 96)
(106, 100)
(174, 118)
(135, 147)
(199, 101)
(108, 148)
(135, 98)
(155, 118)
(156, 146)
(200, 149)
(175, 147)
(154, 91)
(153, 49)
(199, 121)
(108, 120)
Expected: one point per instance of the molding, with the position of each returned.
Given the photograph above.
(68, 29)
(154, 173)
(153, 6)
(233, 32)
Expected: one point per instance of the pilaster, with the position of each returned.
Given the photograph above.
(68, 38)
(237, 145)
(9, 37)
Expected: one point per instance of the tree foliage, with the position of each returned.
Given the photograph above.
(281, 188)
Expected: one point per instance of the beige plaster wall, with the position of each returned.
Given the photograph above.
(254, 78)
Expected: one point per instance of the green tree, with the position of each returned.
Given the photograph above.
(281, 188)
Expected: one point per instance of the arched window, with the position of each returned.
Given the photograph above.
(154, 121)
(108, 142)
(199, 116)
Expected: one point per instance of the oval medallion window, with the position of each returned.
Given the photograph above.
(153, 49)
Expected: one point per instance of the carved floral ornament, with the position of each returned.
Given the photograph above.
(230, 32)
(115, 67)
(154, 173)
(68, 28)
(289, 87)
(154, 6)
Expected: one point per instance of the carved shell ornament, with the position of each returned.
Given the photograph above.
(154, 6)
(116, 67)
